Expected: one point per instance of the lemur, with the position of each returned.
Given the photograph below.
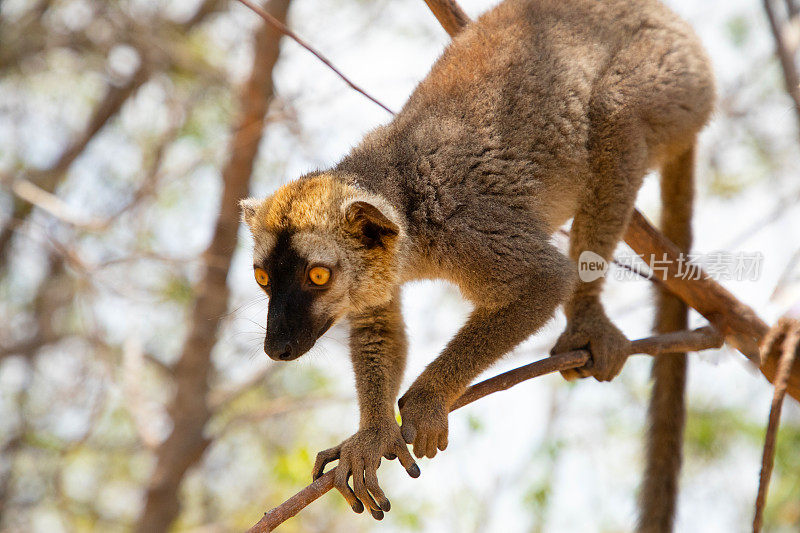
(539, 112)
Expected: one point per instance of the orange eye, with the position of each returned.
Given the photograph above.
(261, 277)
(319, 275)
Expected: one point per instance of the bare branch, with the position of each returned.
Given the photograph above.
(785, 334)
(681, 341)
(738, 322)
(449, 14)
(281, 27)
(47, 201)
(700, 339)
(740, 325)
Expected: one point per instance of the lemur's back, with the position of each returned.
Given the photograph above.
(507, 109)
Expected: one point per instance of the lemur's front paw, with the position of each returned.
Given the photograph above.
(592, 330)
(424, 421)
(359, 457)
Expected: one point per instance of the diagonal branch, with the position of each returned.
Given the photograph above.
(682, 341)
(281, 27)
(739, 324)
(786, 335)
(449, 14)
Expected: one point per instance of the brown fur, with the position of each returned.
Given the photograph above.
(540, 111)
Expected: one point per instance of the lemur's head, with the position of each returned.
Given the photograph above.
(322, 249)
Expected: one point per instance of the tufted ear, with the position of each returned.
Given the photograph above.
(248, 207)
(373, 226)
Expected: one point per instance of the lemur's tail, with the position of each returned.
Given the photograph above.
(667, 412)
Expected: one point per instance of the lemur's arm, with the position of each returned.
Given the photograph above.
(378, 350)
(515, 294)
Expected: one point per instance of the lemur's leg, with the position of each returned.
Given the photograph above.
(618, 157)
(520, 290)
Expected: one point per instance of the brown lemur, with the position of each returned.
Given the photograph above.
(538, 112)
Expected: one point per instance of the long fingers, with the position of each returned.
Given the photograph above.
(575, 373)
(323, 458)
(363, 467)
(371, 481)
(360, 488)
(442, 442)
(430, 446)
(340, 482)
(401, 450)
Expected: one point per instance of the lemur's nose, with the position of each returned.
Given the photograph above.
(288, 352)
(280, 350)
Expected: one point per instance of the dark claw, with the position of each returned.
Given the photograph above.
(413, 471)
(377, 515)
(390, 456)
(358, 507)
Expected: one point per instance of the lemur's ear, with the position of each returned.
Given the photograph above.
(248, 206)
(373, 226)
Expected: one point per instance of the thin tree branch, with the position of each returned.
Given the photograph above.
(449, 14)
(36, 196)
(737, 321)
(740, 325)
(281, 27)
(786, 334)
(705, 338)
(681, 341)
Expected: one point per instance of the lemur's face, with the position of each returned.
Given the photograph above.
(322, 250)
(301, 291)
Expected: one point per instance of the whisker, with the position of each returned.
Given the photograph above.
(245, 305)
